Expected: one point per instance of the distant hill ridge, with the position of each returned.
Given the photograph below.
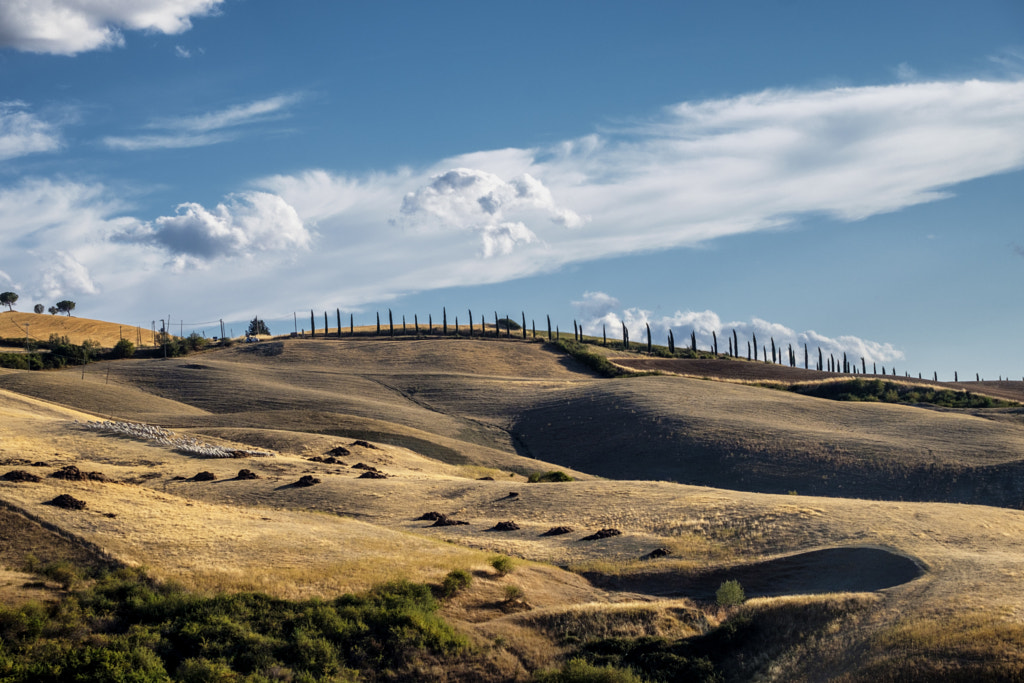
(39, 326)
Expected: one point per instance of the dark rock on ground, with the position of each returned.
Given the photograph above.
(485, 478)
(338, 451)
(204, 476)
(72, 473)
(364, 444)
(67, 502)
(307, 480)
(603, 533)
(558, 531)
(247, 474)
(20, 476)
(445, 520)
(372, 474)
(656, 553)
(430, 515)
(505, 526)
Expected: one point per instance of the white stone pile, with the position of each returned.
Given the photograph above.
(165, 437)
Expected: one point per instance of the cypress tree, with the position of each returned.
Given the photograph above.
(863, 366)
(693, 341)
(430, 323)
(524, 324)
(821, 362)
(533, 326)
(846, 365)
(671, 342)
(790, 354)
(404, 332)
(936, 376)
(575, 334)
(471, 322)
(755, 344)
(558, 333)
(764, 350)
(956, 377)
(351, 325)
(977, 377)
(312, 325)
(338, 311)
(456, 326)
(391, 324)
(625, 337)
(874, 368)
(416, 322)
(773, 349)
(807, 358)
(748, 349)
(325, 324)
(444, 321)
(730, 347)
(549, 328)
(735, 343)
(604, 334)
(714, 338)
(649, 343)
(378, 323)
(497, 330)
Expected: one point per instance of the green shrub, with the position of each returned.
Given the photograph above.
(455, 581)
(553, 475)
(513, 593)
(730, 593)
(581, 671)
(123, 349)
(503, 564)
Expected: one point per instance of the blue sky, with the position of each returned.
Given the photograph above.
(844, 176)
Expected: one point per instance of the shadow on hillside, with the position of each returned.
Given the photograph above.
(831, 570)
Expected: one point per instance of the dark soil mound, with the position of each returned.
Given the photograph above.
(315, 458)
(372, 474)
(20, 476)
(513, 494)
(364, 444)
(247, 474)
(40, 463)
(656, 553)
(603, 533)
(445, 520)
(505, 526)
(557, 531)
(338, 451)
(430, 516)
(485, 479)
(204, 476)
(70, 473)
(364, 466)
(307, 480)
(67, 502)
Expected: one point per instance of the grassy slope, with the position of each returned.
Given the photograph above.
(15, 325)
(267, 534)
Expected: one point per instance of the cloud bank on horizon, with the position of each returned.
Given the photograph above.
(603, 314)
(697, 172)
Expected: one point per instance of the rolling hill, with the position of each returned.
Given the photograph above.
(869, 524)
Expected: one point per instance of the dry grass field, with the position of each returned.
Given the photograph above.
(847, 524)
(39, 326)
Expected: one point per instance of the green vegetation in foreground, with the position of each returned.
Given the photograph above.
(883, 391)
(124, 627)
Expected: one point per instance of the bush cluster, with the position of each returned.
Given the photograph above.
(884, 391)
(553, 475)
(126, 628)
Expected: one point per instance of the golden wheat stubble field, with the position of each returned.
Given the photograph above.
(440, 414)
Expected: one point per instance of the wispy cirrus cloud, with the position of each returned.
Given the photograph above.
(69, 27)
(699, 171)
(205, 129)
(22, 132)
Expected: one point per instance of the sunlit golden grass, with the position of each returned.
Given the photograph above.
(18, 325)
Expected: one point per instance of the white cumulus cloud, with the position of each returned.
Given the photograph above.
(245, 224)
(68, 27)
